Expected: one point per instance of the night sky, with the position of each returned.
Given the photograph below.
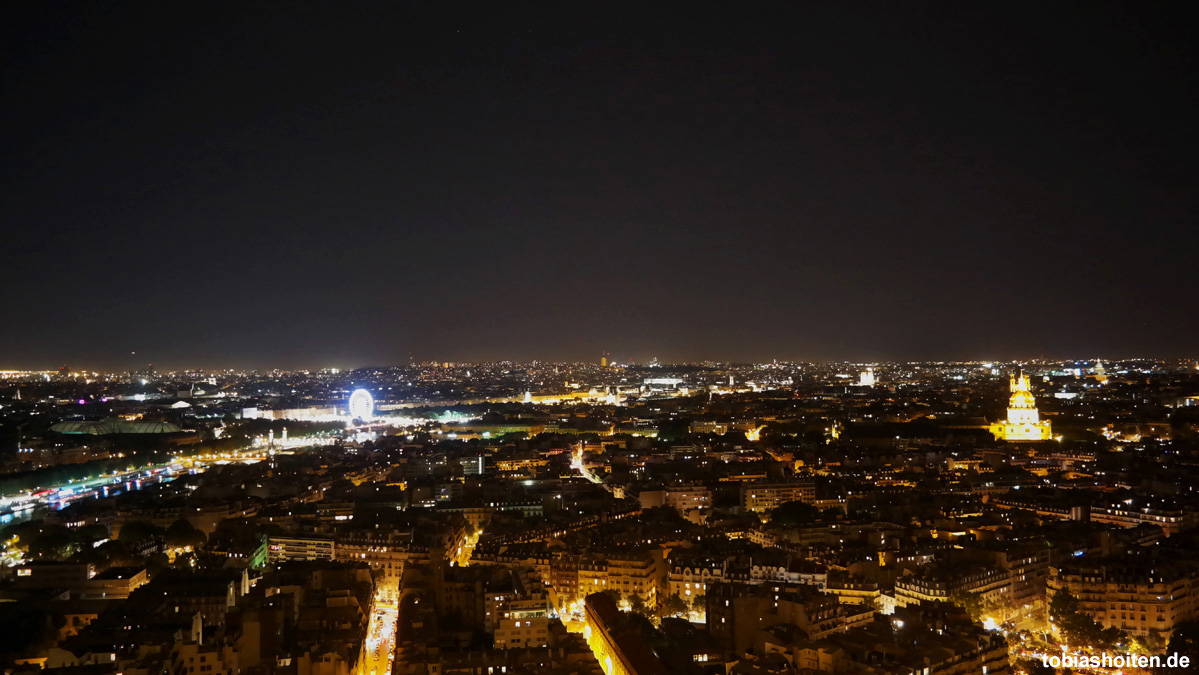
(342, 184)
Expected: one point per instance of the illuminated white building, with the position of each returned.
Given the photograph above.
(866, 379)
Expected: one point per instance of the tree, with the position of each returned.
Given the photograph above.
(1078, 628)
(672, 606)
(969, 602)
(50, 542)
(1152, 643)
(182, 533)
(53, 545)
(136, 530)
(1184, 641)
(637, 605)
(670, 430)
(108, 554)
(91, 533)
(156, 563)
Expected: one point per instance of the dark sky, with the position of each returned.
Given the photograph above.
(292, 184)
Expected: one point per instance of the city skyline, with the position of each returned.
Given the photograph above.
(608, 361)
(972, 516)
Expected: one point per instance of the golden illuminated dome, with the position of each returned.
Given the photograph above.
(1024, 422)
(1023, 399)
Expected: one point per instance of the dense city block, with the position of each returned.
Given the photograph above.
(614, 519)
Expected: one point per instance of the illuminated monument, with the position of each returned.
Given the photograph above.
(1023, 423)
(866, 379)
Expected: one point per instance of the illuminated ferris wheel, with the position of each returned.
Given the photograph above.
(362, 405)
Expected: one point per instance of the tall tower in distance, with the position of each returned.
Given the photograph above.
(604, 360)
(1024, 421)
